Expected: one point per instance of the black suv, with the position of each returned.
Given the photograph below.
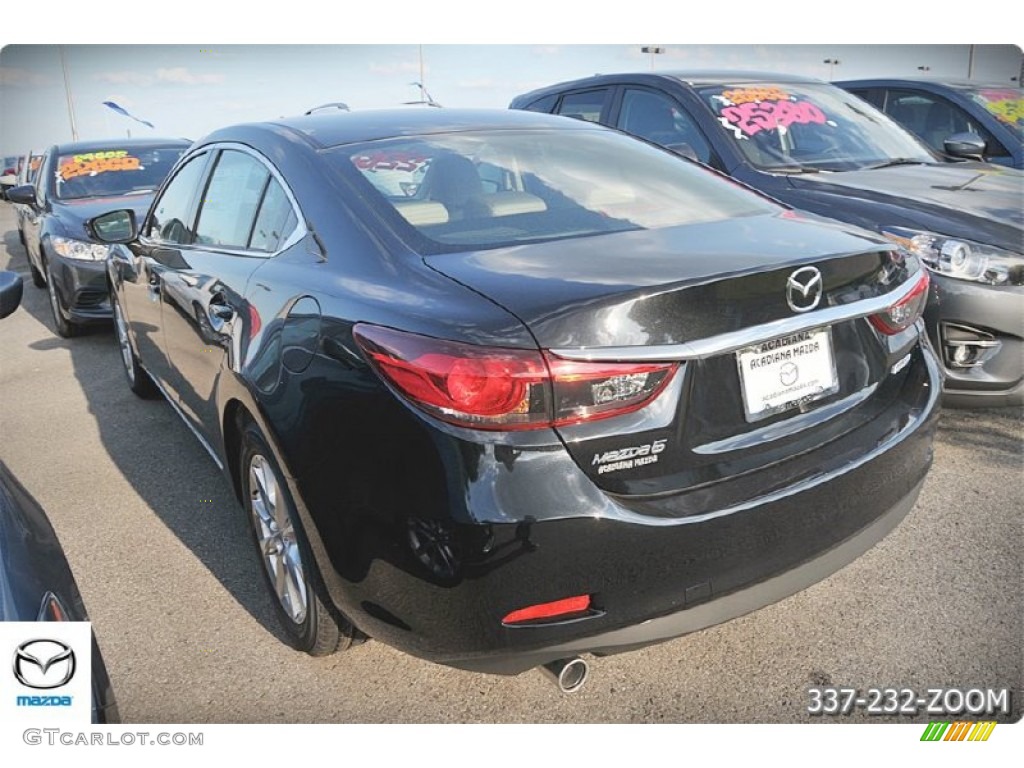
(814, 146)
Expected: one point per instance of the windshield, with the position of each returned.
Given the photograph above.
(488, 189)
(809, 127)
(1007, 104)
(114, 171)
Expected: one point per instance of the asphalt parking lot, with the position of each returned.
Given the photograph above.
(159, 548)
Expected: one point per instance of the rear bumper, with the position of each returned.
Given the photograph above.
(708, 614)
(649, 578)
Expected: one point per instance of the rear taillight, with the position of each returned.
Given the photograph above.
(905, 312)
(506, 389)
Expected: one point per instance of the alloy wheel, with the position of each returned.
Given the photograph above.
(276, 539)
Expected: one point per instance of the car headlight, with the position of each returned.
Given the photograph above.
(962, 259)
(79, 249)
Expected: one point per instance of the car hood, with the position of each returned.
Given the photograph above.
(978, 201)
(73, 214)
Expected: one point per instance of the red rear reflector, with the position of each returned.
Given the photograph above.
(549, 610)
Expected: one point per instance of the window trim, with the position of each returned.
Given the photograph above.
(215, 150)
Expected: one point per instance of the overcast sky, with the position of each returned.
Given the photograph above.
(188, 90)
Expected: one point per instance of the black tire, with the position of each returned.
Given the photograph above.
(37, 277)
(64, 327)
(303, 612)
(139, 381)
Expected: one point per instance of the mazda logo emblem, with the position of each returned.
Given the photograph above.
(44, 664)
(804, 289)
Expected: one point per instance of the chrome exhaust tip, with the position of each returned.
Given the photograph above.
(568, 674)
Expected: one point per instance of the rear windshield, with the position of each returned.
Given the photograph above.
(1007, 104)
(809, 126)
(114, 171)
(483, 190)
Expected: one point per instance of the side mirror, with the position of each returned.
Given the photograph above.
(25, 194)
(10, 292)
(114, 227)
(967, 145)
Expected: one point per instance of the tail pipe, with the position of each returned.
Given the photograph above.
(568, 674)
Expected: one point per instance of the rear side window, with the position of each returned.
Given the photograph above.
(232, 199)
(275, 221)
(545, 104)
(586, 105)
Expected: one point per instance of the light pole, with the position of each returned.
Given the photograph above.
(652, 50)
(67, 93)
(832, 63)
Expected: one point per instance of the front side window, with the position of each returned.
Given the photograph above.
(659, 119)
(934, 119)
(113, 172)
(493, 188)
(793, 127)
(172, 217)
(232, 198)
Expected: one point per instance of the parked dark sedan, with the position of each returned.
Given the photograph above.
(500, 389)
(77, 182)
(36, 583)
(816, 147)
(27, 174)
(937, 111)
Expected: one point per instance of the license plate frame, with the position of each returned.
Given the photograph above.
(777, 363)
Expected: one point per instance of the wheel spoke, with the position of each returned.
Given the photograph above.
(276, 539)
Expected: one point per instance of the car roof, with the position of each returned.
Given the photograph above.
(119, 143)
(727, 77)
(331, 129)
(951, 82)
(693, 77)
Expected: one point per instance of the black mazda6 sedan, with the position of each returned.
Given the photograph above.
(75, 182)
(501, 388)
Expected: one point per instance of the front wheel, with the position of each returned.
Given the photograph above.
(37, 277)
(138, 380)
(64, 327)
(288, 565)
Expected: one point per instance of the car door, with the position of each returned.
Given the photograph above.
(245, 216)
(165, 235)
(32, 214)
